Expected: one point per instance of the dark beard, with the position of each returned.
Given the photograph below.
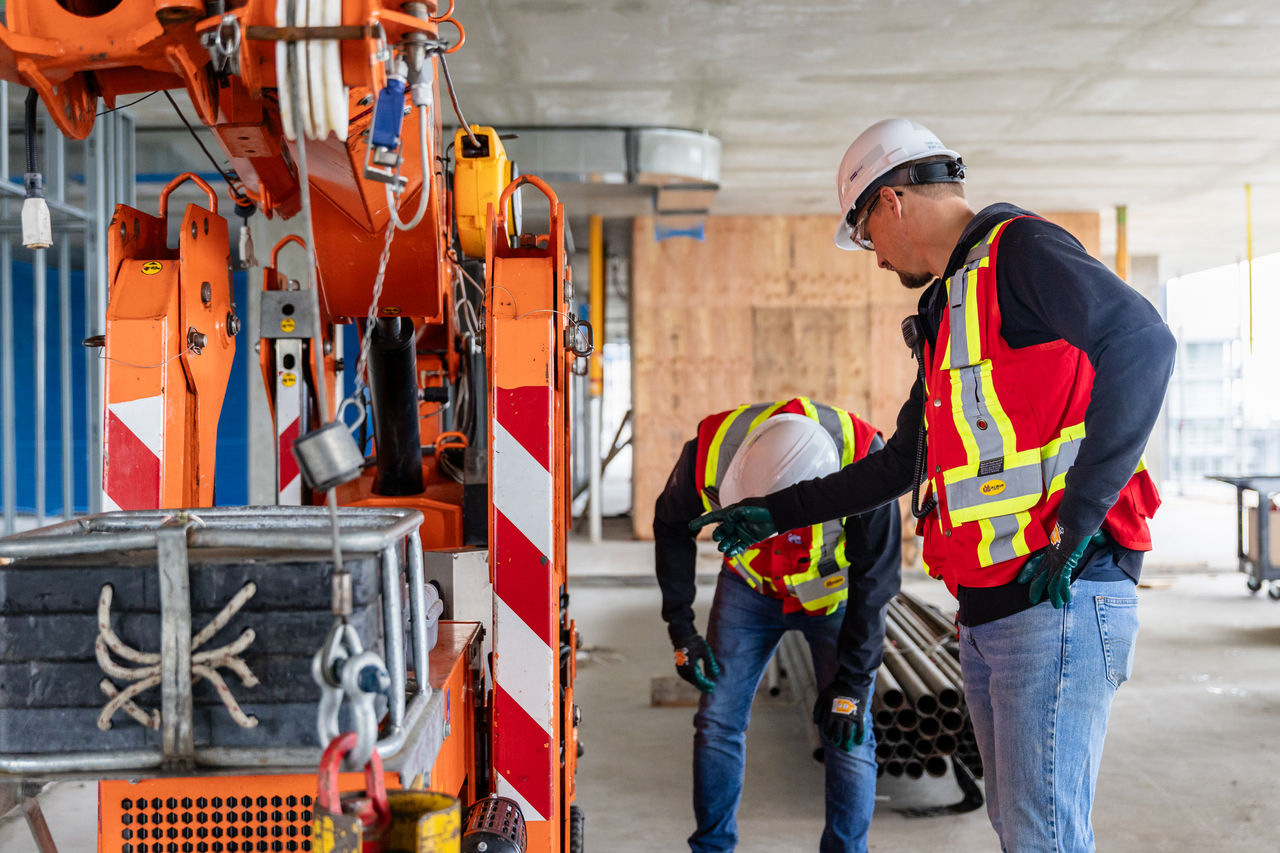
(915, 280)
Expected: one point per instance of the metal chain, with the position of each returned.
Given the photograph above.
(371, 318)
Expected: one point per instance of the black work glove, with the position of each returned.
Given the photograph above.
(689, 653)
(841, 714)
(1051, 568)
(741, 525)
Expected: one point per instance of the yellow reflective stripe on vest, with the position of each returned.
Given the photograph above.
(713, 452)
(849, 449)
(826, 603)
(742, 564)
(1003, 538)
(1059, 455)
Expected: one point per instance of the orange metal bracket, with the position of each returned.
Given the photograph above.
(529, 489)
(169, 348)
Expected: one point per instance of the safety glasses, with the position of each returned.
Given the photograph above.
(858, 223)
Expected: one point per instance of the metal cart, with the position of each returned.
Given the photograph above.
(1257, 566)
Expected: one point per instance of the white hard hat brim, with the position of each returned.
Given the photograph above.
(844, 237)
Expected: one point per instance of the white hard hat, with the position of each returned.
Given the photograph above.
(878, 150)
(783, 450)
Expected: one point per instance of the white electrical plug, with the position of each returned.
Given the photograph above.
(37, 231)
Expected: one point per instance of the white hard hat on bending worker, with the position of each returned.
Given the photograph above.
(781, 451)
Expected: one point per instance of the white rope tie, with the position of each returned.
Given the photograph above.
(203, 664)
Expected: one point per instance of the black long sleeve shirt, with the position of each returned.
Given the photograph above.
(1048, 288)
(873, 546)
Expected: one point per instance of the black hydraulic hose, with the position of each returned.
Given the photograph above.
(33, 156)
(393, 392)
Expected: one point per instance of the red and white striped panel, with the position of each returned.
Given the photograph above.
(524, 670)
(288, 410)
(134, 448)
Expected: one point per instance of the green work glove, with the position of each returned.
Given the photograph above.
(841, 714)
(692, 652)
(1051, 568)
(741, 525)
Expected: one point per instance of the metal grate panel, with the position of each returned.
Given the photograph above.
(215, 814)
(230, 824)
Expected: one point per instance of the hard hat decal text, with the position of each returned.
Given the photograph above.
(992, 487)
(152, 267)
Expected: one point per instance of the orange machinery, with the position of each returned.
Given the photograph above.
(300, 95)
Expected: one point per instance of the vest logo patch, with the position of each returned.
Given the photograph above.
(834, 582)
(794, 538)
(992, 487)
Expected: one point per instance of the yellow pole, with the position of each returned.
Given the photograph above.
(1248, 243)
(595, 398)
(597, 304)
(1122, 241)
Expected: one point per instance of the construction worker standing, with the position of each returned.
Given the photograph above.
(797, 581)
(1041, 376)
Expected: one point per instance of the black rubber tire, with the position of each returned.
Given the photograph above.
(577, 826)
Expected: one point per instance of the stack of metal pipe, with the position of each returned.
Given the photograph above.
(918, 711)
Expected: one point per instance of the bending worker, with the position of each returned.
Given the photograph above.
(799, 581)
(1041, 376)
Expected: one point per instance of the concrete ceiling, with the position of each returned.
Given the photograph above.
(1167, 106)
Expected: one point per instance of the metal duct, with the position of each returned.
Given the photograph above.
(669, 173)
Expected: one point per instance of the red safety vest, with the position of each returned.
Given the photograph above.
(1004, 426)
(806, 568)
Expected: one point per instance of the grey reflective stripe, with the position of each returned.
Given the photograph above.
(733, 438)
(832, 536)
(957, 296)
(830, 421)
(1006, 527)
(982, 249)
(1062, 460)
(816, 588)
(990, 442)
(1018, 482)
(738, 570)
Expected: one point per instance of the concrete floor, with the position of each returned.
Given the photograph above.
(1189, 763)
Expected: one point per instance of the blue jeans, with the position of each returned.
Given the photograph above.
(743, 631)
(1039, 686)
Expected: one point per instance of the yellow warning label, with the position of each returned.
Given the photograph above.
(391, 310)
(152, 267)
(992, 487)
(288, 324)
(288, 379)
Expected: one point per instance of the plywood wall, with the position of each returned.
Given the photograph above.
(764, 308)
